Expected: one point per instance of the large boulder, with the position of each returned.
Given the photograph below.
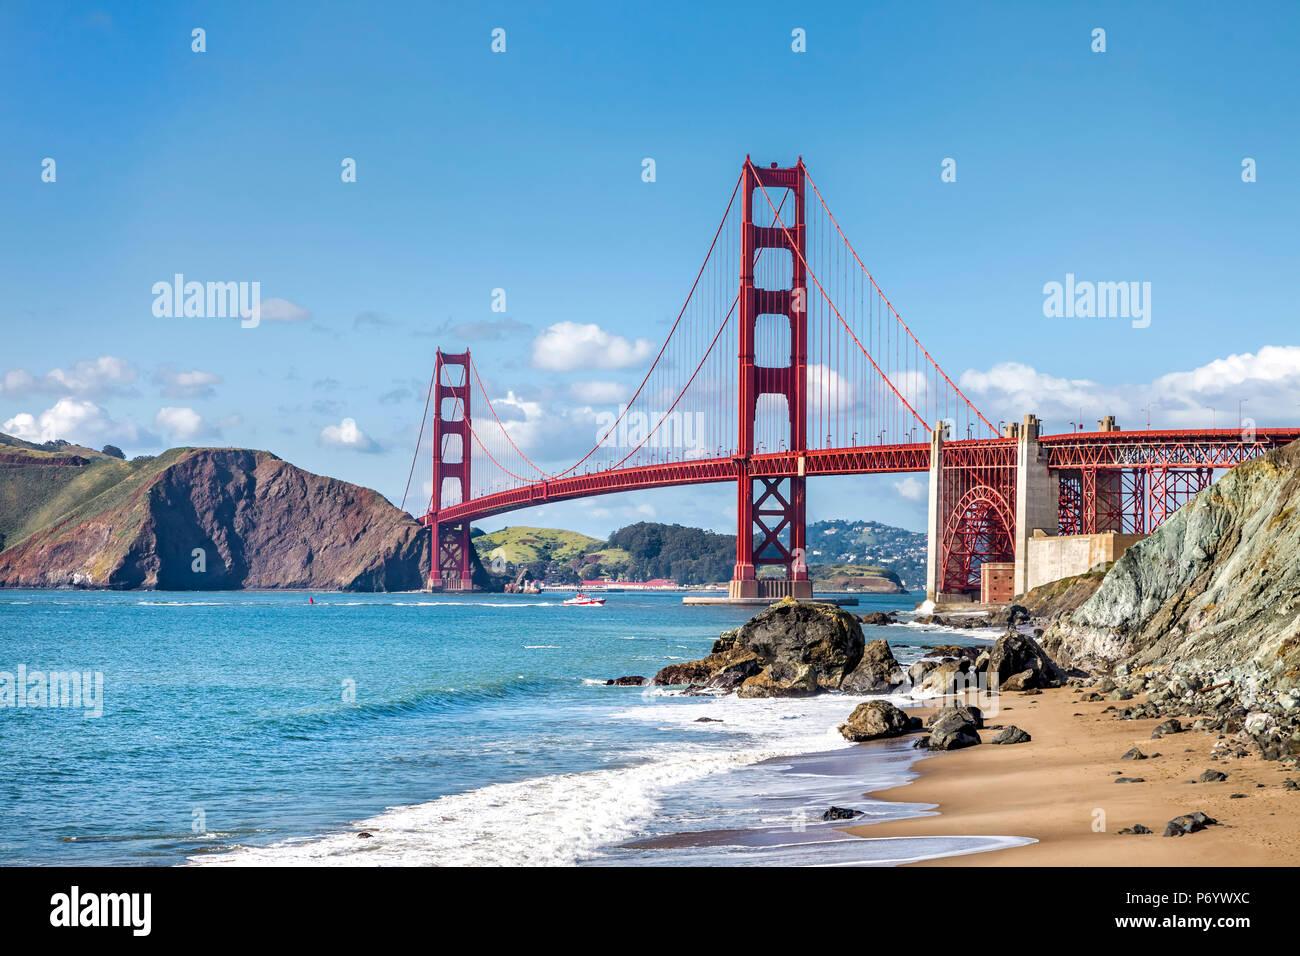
(877, 673)
(1014, 653)
(791, 649)
(971, 714)
(953, 731)
(875, 719)
(822, 637)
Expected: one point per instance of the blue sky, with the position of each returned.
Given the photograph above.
(522, 171)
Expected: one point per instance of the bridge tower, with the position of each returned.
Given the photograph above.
(450, 568)
(775, 507)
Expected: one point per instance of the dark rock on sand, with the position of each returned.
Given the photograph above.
(1130, 780)
(1171, 726)
(1013, 654)
(1012, 735)
(1212, 776)
(1133, 754)
(953, 731)
(967, 712)
(1136, 828)
(876, 719)
(1188, 823)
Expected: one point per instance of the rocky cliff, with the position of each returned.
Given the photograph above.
(201, 519)
(1215, 589)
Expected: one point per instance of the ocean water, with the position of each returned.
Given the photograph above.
(257, 728)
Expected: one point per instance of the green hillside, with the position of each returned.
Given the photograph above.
(522, 545)
(44, 483)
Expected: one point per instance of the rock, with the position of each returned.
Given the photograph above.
(1019, 682)
(631, 681)
(708, 720)
(790, 649)
(916, 673)
(1136, 828)
(1211, 589)
(873, 720)
(878, 618)
(971, 714)
(365, 835)
(1012, 735)
(781, 680)
(1008, 616)
(950, 677)
(1130, 780)
(1013, 654)
(1289, 784)
(1171, 726)
(1188, 823)
(730, 663)
(1104, 686)
(1121, 693)
(841, 813)
(1133, 754)
(877, 672)
(1236, 796)
(953, 732)
(921, 743)
(1212, 776)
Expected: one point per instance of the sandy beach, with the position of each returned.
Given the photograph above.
(1060, 789)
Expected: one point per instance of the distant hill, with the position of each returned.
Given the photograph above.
(71, 516)
(870, 543)
(692, 556)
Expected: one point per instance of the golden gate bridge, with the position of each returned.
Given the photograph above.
(790, 363)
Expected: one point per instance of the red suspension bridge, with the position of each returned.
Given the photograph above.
(788, 362)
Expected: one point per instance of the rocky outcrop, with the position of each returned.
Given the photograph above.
(877, 672)
(725, 670)
(791, 649)
(1215, 589)
(217, 519)
(876, 719)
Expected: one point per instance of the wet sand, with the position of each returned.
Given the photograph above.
(1060, 789)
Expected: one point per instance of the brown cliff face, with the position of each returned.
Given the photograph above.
(216, 519)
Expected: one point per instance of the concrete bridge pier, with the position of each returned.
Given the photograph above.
(1038, 494)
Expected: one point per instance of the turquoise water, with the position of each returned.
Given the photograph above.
(256, 727)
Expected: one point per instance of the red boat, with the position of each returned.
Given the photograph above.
(585, 600)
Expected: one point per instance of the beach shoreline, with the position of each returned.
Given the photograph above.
(1060, 790)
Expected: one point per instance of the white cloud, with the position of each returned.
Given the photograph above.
(70, 419)
(600, 393)
(347, 434)
(89, 377)
(180, 424)
(566, 346)
(282, 310)
(912, 488)
(1268, 381)
(191, 384)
